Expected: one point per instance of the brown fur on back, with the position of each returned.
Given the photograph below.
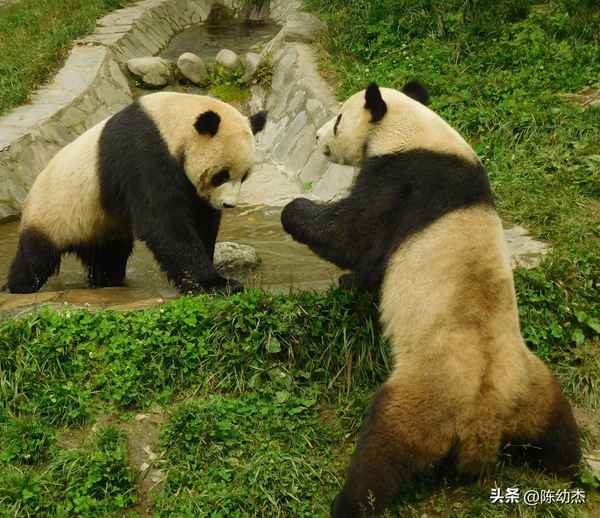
(463, 383)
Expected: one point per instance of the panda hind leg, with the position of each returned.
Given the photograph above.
(401, 437)
(106, 262)
(541, 430)
(556, 448)
(36, 260)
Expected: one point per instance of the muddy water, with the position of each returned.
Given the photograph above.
(207, 39)
(285, 264)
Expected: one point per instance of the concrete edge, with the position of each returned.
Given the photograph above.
(91, 86)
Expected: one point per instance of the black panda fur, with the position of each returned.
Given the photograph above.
(144, 193)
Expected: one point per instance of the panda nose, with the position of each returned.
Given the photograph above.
(317, 137)
(228, 206)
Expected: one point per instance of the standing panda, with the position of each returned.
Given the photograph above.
(160, 170)
(420, 223)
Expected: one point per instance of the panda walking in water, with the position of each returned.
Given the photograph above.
(420, 225)
(160, 170)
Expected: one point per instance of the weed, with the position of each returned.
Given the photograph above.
(264, 73)
(95, 481)
(251, 455)
(228, 85)
(25, 441)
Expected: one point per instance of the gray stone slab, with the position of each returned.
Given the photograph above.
(290, 137)
(312, 171)
(304, 147)
(268, 185)
(525, 251)
(335, 183)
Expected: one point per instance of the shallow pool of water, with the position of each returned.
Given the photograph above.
(284, 264)
(207, 39)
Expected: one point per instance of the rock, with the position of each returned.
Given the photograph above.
(525, 251)
(335, 183)
(228, 59)
(234, 258)
(193, 68)
(258, 13)
(153, 71)
(269, 185)
(251, 61)
(303, 27)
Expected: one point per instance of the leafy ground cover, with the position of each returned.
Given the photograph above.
(261, 398)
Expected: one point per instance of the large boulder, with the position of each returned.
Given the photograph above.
(233, 258)
(153, 71)
(193, 68)
(228, 59)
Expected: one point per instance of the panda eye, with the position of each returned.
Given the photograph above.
(337, 123)
(245, 177)
(220, 178)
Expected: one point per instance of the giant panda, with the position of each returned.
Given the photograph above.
(160, 170)
(420, 226)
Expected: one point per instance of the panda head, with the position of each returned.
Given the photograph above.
(223, 150)
(212, 140)
(380, 121)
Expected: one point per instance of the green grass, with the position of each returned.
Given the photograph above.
(35, 37)
(495, 71)
(230, 86)
(229, 92)
(262, 397)
(94, 480)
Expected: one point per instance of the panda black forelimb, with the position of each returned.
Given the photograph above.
(324, 230)
(171, 235)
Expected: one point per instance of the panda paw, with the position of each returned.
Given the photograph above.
(342, 508)
(295, 215)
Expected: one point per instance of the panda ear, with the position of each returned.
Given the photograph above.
(374, 103)
(258, 122)
(208, 123)
(417, 91)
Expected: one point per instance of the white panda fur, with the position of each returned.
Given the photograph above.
(407, 125)
(168, 144)
(420, 226)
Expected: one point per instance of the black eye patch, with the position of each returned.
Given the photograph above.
(220, 178)
(337, 123)
(245, 177)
